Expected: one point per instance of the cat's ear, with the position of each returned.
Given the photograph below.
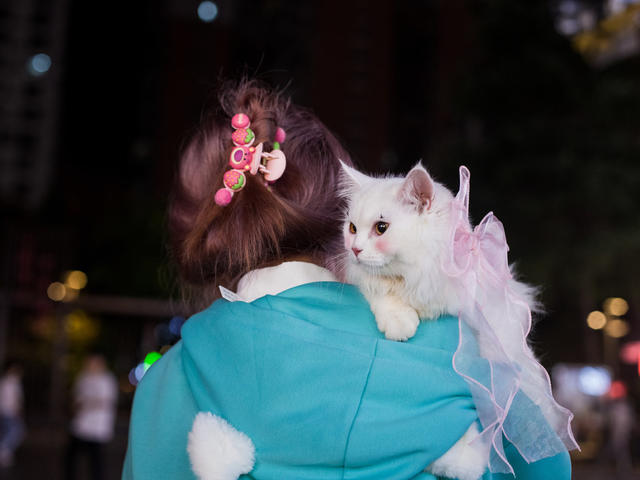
(352, 177)
(417, 189)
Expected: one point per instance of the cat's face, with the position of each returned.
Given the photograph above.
(384, 220)
(372, 230)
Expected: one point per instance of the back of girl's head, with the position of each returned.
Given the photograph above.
(299, 215)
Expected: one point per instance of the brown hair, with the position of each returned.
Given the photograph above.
(299, 215)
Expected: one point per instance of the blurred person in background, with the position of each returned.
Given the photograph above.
(621, 420)
(95, 395)
(11, 422)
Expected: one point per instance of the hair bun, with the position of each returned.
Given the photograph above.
(214, 239)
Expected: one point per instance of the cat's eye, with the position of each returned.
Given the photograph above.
(352, 228)
(381, 227)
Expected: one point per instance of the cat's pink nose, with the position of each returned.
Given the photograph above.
(356, 251)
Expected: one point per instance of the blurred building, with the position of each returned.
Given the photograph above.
(31, 65)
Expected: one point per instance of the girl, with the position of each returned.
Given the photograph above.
(288, 378)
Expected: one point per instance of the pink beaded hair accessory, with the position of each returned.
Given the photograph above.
(246, 158)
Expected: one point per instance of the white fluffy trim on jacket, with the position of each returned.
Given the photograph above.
(217, 450)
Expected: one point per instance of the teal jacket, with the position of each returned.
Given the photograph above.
(318, 389)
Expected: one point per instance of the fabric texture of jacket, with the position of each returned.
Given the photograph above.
(317, 388)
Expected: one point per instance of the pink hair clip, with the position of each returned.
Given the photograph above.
(246, 158)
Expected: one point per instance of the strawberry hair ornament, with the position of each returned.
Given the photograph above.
(245, 158)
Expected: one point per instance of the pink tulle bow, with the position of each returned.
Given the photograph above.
(510, 386)
(485, 246)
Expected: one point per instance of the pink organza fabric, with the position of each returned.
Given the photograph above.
(511, 390)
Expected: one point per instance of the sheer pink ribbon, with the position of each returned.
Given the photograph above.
(494, 322)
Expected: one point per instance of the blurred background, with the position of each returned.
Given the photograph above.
(539, 99)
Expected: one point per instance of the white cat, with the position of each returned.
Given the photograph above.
(397, 232)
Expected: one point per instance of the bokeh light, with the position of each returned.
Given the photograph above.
(39, 64)
(133, 379)
(56, 291)
(76, 280)
(150, 359)
(616, 328)
(616, 306)
(617, 390)
(207, 11)
(175, 325)
(630, 352)
(136, 373)
(139, 371)
(70, 295)
(596, 320)
(594, 381)
(80, 327)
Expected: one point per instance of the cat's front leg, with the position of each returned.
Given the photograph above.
(395, 319)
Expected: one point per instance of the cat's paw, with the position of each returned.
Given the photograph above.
(465, 460)
(400, 323)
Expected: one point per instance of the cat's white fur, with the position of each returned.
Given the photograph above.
(399, 272)
(467, 459)
(402, 281)
(407, 271)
